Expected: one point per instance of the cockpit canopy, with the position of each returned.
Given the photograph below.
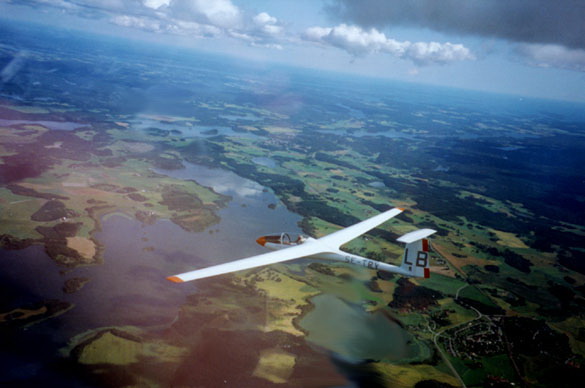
(282, 239)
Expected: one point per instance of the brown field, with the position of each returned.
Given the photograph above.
(275, 365)
(460, 262)
(84, 246)
(509, 239)
(111, 349)
(24, 313)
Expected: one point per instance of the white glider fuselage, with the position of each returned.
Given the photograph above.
(329, 253)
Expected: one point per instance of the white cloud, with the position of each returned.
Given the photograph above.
(194, 18)
(241, 36)
(218, 13)
(194, 29)
(316, 33)
(142, 23)
(178, 27)
(353, 39)
(222, 18)
(105, 4)
(359, 42)
(13, 67)
(266, 24)
(272, 29)
(156, 4)
(203, 18)
(263, 18)
(274, 46)
(65, 4)
(553, 55)
(432, 52)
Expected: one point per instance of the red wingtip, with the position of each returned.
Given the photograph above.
(400, 208)
(175, 279)
(261, 240)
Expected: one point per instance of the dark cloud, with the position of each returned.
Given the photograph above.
(559, 22)
(552, 55)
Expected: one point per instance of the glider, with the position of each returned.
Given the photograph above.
(415, 261)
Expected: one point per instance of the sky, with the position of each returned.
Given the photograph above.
(533, 48)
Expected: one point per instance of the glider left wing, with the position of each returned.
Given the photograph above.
(295, 252)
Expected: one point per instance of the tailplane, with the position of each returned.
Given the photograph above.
(416, 257)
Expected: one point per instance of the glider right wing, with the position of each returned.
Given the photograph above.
(337, 239)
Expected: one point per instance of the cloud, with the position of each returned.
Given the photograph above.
(156, 4)
(262, 30)
(267, 24)
(195, 18)
(552, 55)
(218, 13)
(142, 23)
(359, 42)
(354, 40)
(177, 27)
(559, 22)
(264, 19)
(9, 71)
(433, 52)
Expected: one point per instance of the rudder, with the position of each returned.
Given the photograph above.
(415, 260)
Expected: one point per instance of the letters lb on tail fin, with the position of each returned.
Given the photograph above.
(416, 253)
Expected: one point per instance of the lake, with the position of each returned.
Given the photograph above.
(350, 332)
(53, 125)
(130, 288)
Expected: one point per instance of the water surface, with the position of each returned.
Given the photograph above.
(130, 288)
(353, 333)
(265, 161)
(53, 125)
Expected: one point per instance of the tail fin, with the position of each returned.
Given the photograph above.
(416, 257)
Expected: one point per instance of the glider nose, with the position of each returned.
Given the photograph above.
(261, 240)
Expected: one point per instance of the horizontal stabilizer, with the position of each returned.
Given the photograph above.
(415, 236)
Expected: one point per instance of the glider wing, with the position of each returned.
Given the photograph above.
(343, 236)
(295, 252)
